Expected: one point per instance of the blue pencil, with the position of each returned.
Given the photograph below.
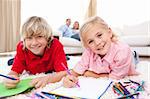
(134, 82)
(68, 72)
(105, 90)
(8, 77)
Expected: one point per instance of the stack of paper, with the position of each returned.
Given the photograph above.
(90, 88)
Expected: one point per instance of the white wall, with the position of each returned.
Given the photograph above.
(124, 12)
(54, 11)
(117, 13)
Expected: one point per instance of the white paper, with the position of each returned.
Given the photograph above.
(90, 88)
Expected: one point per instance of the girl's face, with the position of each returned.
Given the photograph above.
(36, 44)
(98, 40)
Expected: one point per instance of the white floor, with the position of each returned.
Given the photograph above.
(73, 61)
(143, 67)
(4, 68)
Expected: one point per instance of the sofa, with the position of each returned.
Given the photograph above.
(71, 46)
(137, 36)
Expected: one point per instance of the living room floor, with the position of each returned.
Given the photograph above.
(73, 60)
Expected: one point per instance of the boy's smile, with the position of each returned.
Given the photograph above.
(36, 44)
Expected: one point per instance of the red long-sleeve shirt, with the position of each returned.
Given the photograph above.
(50, 61)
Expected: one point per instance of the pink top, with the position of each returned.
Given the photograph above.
(117, 62)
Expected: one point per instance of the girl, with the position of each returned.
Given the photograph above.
(37, 53)
(104, 55)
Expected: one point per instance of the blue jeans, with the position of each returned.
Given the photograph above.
(135, 57)
(76, 36)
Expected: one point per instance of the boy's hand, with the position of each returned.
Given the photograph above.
(70, 81)
(40, 82)
(11, 83)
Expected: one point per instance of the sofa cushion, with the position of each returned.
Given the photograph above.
(136, 40)
(137, 29)
(70, 42)
(73, 50)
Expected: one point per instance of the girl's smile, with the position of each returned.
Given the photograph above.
(98, 40)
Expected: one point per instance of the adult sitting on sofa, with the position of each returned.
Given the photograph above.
(71, 45)
(66, 31)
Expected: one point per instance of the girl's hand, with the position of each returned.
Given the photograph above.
(11, 83)
(40, 82)
(70, 81)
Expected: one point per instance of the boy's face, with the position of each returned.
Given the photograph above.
(36, 44)
(98, 40)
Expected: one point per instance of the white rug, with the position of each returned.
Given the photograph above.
(143, 67)
(4, 68)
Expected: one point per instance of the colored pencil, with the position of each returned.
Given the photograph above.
(8, 77)
(129, 95)
(68, 72)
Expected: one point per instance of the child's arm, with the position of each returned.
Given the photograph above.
(74, 73)
(13, 73)
(11, 83)
(95, 75)
(50, 78)
(40, 82)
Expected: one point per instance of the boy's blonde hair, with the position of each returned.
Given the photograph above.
(37, 26)
(91, 22)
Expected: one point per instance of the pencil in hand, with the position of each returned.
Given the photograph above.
(12, 78)
(68, 72)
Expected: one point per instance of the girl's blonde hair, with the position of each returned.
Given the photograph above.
(37, 26)
(91, 22)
